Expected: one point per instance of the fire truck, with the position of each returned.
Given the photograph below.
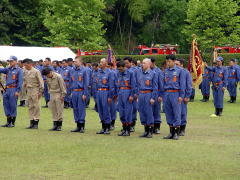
(81, 52)
(227, 49)
(156, 49)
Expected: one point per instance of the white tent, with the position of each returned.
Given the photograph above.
(35, 53)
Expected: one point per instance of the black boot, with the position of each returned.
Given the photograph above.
(234, 99)
(191, 98)
(127, 130)
(124, 127)
(55, 125)
(112, 125)
(13, 121)
(31, 125)
(220, 111)
(150, 132)
(156, 129)
(203, 99)
(82, 127)
(35, 124)
(217, 111)
(145, 131)
(182, 130)
(21, 104)
(77, 129)
(170, 135)
(132, 128)
(207, 98)
(107, 129)
(59, 126)
(102, 130)
(231, 99)
(175, 133)
(46, 106)
(8, 122)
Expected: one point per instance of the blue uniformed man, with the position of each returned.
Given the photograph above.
(188, 89)
(47, 64)
(56, 67)
(205, 85)
(126, 85)
(14, 81)
(79, 90)
(147, 94)
(65, 74)
(219, 84)
(233, 78)
(40, 65)
(105, 93)
(128, 63)
(174, 91)
(157, 103)
(94, 84)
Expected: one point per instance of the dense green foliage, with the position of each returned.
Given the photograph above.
(122, 23)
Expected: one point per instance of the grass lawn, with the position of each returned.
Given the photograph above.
(210, 149)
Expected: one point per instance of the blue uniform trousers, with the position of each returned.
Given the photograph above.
(125, 107)
(10, 102)
(218, 96)
(172, 108)
(232, 87)
(156, 112)
(145, 109)
(103, 107)
(205, 87)
(79, 106)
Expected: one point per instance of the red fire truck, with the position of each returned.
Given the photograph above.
(227, 49)
(81, 52)
(156, 49)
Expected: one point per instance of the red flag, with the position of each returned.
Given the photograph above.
(195, 64)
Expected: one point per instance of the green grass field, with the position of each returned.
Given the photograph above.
(210, 149)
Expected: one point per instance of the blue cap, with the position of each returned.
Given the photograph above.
(12, 58)
(219, 58)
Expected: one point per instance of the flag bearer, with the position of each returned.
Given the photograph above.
(205, 85)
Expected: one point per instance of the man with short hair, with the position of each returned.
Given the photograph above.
(105, 93)
(65, 74)
(57, 92)
(147, 93)
(79, 90)
(233, 78)
(47, 64)
(126, 85)
(34, 86)
(174, 91)
(14, 81)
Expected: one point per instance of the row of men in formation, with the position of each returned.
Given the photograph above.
(128, 89)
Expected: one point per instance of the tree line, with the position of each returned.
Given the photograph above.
(124, 24)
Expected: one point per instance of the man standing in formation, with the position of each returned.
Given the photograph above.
(105, 93)
(147, 94)
(126, 85)
(34, 86)
(79, 89)
(174, 91)
(57, 90)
